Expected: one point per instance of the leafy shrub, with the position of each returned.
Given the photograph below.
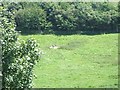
(61, 19)
(67, 17)
(119, 16)
(32, 20)
(82, 16)
(18, 57)
(96, 17)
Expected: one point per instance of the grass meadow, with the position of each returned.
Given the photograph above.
(81, 61)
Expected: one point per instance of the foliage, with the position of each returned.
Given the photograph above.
(32, 20)
(90, 17)
(60, 19)
(119, 13)
(119, 6)
(95, 18)
(18, 58)
(98, 17)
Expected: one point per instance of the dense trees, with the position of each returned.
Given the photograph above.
(119, 15)
(70, 16)
(119, 6)
(32, 20)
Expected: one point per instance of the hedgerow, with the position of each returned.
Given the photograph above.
(32, 20)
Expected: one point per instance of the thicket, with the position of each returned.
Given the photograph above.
(32, 20)
(119, 14)
(68, 17)
(18, 57)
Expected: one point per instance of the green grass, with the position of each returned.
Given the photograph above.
(81, 61)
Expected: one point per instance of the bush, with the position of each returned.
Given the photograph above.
(58, 14)
(67, 17)
(96, 17)
(18, 57)
(61, 21)
(83, 17)
(32, 20)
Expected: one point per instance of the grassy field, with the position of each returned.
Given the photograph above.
(82, 61)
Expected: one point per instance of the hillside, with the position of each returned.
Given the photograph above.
(81, 61)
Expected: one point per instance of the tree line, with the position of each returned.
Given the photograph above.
(53, 17)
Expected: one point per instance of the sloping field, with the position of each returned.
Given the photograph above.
(79, 61)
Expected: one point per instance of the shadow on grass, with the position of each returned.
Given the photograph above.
(85, 33)
(59, 33)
